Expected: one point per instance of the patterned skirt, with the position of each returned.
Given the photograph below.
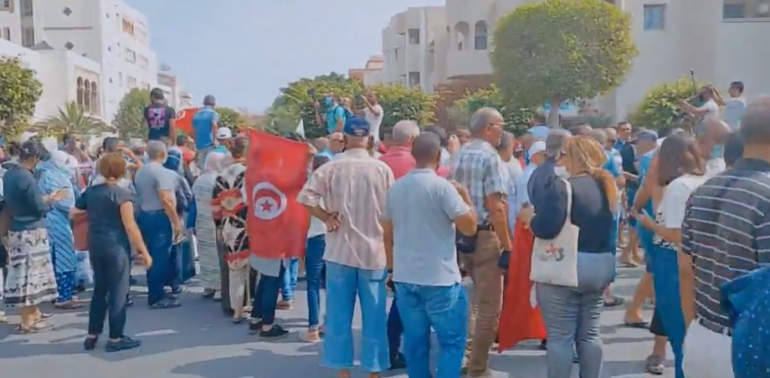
(30, 279)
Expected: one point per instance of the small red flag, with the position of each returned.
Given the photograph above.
(521, 318)
(184, 120)
(276, 170)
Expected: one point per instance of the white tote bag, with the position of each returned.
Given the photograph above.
(554, 261)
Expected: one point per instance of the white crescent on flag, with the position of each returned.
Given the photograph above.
(266, 207)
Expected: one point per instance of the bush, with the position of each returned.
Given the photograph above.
(517, 120)
(660, 107)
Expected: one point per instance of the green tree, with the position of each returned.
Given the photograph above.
(296, 102)
(554, 51)
(230, 117)
(516, 119)
(19, 93)
(129, 121)
(660, 107)
(72, 118)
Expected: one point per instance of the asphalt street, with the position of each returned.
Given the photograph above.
(197, 341)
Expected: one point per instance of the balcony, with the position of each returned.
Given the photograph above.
(461, 64)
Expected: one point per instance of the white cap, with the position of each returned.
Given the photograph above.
(536, 148)
(27, 135)
(224, 133)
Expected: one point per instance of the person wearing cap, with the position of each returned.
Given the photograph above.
(160, 118)
(537, 155)
(205, 125)
(355, 254)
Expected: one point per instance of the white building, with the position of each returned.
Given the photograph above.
(408, 48)
(720, 40)
(168, 81)
(107, 32)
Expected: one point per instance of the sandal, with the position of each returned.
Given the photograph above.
(654, 365)
(640, 324)
(310, 336)
(614, 302)
(38, 326)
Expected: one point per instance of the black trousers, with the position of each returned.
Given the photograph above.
(112, 268)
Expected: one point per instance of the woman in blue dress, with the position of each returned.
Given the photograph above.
(56, 174)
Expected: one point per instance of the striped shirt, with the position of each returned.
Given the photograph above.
(478, 167)
(726, 230)
(354, 185)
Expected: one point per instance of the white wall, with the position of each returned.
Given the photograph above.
(10, 23)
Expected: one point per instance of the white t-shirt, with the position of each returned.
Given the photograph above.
(735, 108)
(671, 209)
(713, 109)
(374, 120)
(715, 167)
(317, 227)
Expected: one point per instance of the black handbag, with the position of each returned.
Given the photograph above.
(465, 244)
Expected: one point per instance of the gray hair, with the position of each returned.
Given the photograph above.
(506, 140)
(404, 131)
(554, 142)
(156, 149)
(426, 146)
(482, 118)
(599, 135)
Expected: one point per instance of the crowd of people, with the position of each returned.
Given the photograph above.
(413, 212)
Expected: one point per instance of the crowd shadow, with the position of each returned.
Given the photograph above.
(258, 363)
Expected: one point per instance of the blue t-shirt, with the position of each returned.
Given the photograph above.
(332, 115)
(644, 166)
(158, 119)
(203, 125)
(610, 166)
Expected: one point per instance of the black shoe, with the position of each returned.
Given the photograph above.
(124, 343)
(397, 362)
(543, 345)
(90, 343)
(129, 302)
(255, 326)
(276, 332)
(165, 303)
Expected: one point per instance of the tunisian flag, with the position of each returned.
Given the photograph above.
(521, 318)
(184, 120)
(276, 170)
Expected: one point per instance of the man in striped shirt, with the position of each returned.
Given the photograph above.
(352, 188)
(725, 235)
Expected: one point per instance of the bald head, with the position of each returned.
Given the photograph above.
(580, 130)
(482, 118)
(426, 150)
(404, 132)
(611, 133)
(755, 126)
(712, 131)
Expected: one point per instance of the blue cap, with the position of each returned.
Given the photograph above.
(648, 135)
(357, 127)
(539, 132)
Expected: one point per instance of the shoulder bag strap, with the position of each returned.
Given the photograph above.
(568, 186)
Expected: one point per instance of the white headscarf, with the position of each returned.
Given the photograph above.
(215, 162)
(64, 160)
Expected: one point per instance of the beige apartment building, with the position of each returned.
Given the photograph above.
(719, 40)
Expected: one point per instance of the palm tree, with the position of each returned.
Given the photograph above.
(73, 119)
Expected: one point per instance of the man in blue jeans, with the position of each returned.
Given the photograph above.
(419, 219)
(158, 220)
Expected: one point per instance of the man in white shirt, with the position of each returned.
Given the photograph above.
(735, 106)
(373, 114)
(709, 109)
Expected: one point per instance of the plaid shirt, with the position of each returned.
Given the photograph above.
(355, 185)
(478, 167)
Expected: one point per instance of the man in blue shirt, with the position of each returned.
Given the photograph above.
(334, 114)
(205, 123)
(624, 135)
(160, 118)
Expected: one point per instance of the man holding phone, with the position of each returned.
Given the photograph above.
(333, 116)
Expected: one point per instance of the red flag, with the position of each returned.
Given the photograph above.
(521, 318)
(276, 170)
(184, 120)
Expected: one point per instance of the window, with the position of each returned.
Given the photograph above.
(414, 79)
(143, 62)
(67, 11)
(733, 11)
(462, 30)
(654, 16)
(480, 38)
(94, 97)
(130, 55)
(87, 95)
(128, 27)
(80, 92)
(6, 34)
(27, 37)
(6, 5)
(26, 8)
(131, 82)
(414, 36)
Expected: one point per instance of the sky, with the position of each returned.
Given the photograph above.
(243, 51)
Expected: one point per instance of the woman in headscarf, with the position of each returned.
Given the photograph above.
(56, 174)
(205, 228)
(180, 261)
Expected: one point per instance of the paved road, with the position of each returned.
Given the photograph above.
(195, 341)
